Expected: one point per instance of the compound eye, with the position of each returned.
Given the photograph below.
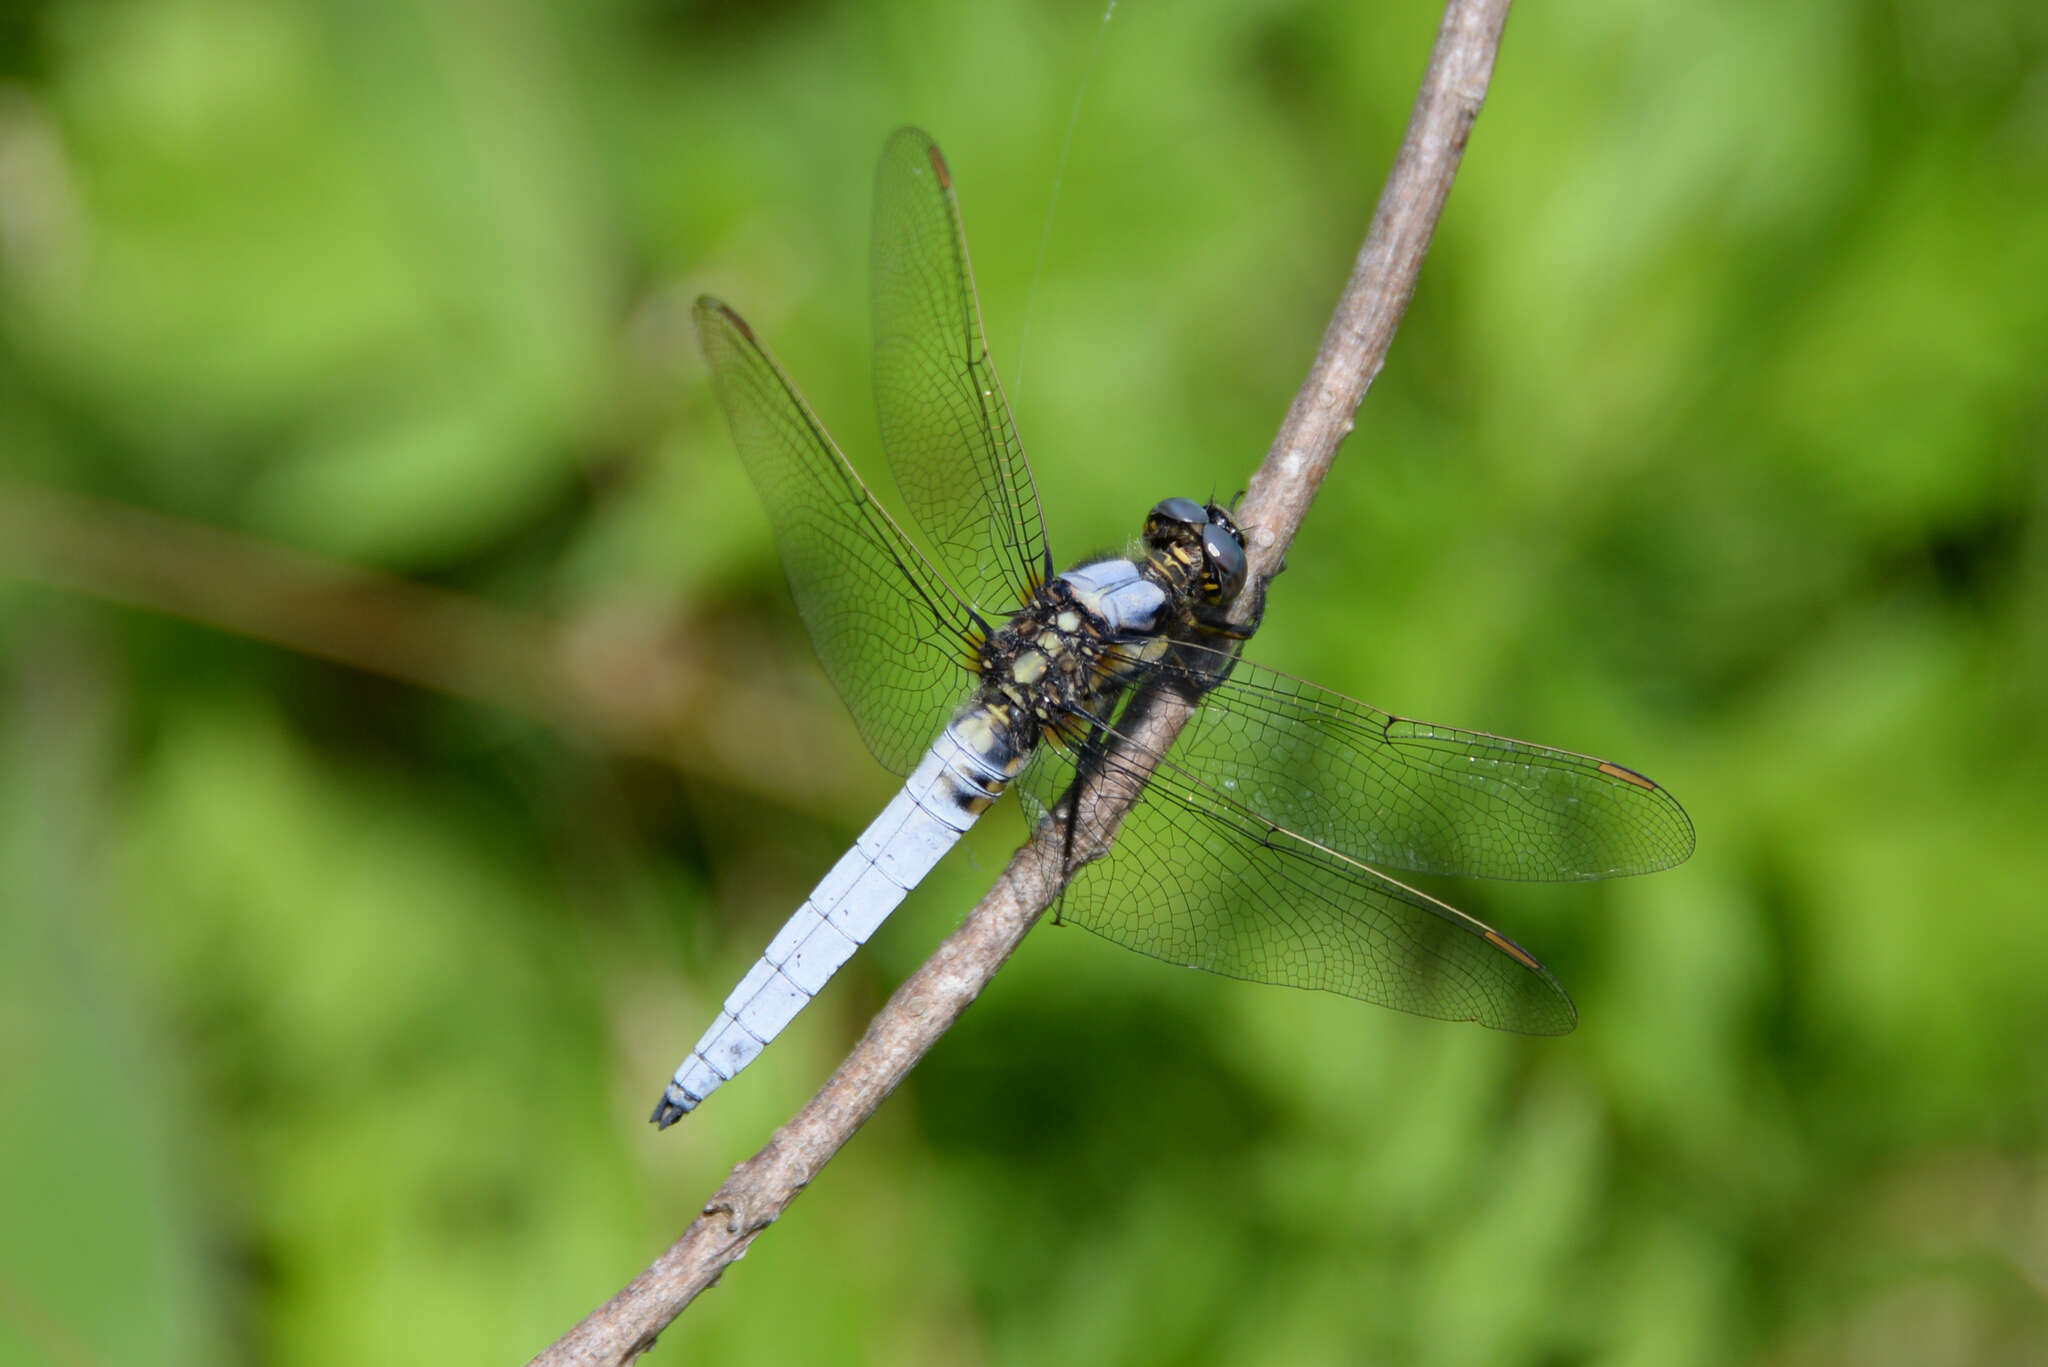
(1184, 511)
(1224, 553)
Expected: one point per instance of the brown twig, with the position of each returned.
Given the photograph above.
(630, 685)
(1354, 348)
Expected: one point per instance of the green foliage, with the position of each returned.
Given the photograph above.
(330, 1008)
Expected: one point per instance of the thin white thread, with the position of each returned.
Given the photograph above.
(1059, 175)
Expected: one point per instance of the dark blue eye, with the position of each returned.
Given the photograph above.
(1223, 549)
(1185, 511)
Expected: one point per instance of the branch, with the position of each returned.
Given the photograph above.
(1353, 350)
(632, 685)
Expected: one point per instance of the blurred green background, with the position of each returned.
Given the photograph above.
(405, 738)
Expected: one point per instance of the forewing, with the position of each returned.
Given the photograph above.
(893, 636)
(1403, 794)
(945, 424)
(1197, 878)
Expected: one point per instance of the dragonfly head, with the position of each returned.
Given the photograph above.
(1193, 531)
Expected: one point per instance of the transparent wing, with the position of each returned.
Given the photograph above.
(945, 424)
(893, 636)
(1197, 877)
(1404, 794)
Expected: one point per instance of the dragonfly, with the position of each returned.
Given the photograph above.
(1261, 844)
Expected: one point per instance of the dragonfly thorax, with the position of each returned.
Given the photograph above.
(1068, 651)
(1062, 660)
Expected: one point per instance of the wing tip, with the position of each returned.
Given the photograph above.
(1566, 1022)
(1512, 950)
(1679, 850)
(1627, 775)
(910, 135)
(710, 306)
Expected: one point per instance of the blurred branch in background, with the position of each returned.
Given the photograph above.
(920, 1012)
(624, 681)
